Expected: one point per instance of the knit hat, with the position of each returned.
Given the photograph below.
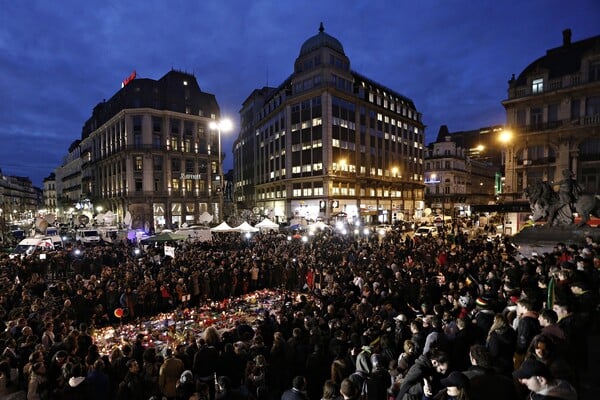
(483, 302)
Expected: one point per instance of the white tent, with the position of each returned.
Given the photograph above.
(320, 225)
(223, 227)
(267, 224)
(109, 217)
(245, 227)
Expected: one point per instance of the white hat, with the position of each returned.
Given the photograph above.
(401, 317)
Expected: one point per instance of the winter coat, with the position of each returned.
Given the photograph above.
(412, 384)
(293, 394)
(491, 386)
(561, 390)
(528, 327)
(170, 372)
(502, 344)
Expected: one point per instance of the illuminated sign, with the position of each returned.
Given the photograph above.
(128, 79)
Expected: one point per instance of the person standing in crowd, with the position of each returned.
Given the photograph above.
(132, 386)
(501, 343)
(170, 372)
(485, 381)
(98, 384)
(428, 367)
(37, 386)
(455, 387)
(538, 379)
(379, 380)
(528, 326)
(206, 359)
(298, 390)
(186, 386)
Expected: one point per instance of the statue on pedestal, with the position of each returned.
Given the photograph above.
(558, 207)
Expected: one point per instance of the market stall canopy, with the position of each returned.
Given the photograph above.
(320, 225)
(245, 227)
(267, 224)
(165, 237)
(223, 227)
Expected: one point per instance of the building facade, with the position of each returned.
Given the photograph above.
(49, 191)
(329, 142)
(553, 112)
(462, 169)
(19, 200)
(149, 154)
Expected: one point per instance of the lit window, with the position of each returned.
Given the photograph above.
(537, 86)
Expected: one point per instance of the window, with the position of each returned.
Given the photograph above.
(537, 86)
(156, 124)
(575, 109)
(521, 117)
(138, 185)
(139, 163)
(158, 163)
(552, 112)
(175, 184)
(536, 116)
(592, 108)
(175, 165)
(594, 71)
(156, 141)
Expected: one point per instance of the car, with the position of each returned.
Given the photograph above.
(383, 229)
(87, 236)
(28, 246)
(426, 231)
(403, 225)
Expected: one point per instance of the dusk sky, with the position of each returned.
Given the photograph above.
(453, 58)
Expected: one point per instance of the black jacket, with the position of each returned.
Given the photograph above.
(412, 385)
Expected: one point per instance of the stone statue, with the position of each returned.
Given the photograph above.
(558, 207)
(569, 190)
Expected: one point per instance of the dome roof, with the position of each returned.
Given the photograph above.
(321, 39)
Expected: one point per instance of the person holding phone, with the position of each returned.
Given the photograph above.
(424, 375)
(455, 387)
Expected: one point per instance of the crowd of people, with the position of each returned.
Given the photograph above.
(382, 318)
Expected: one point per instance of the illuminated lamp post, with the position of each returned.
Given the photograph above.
(506, 138)
(223, 125)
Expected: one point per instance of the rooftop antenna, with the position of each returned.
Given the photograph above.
(267, 75)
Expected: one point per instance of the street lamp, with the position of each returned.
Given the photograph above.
(223, 125)
(506, 138)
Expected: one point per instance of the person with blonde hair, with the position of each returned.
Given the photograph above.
(206, 360)
(501, 343)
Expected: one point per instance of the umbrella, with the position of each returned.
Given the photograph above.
(165, 237)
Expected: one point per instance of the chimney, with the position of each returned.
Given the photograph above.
(566, 37)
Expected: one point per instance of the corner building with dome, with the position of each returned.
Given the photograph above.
(329, 143)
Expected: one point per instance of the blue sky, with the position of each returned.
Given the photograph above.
(453, 58)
